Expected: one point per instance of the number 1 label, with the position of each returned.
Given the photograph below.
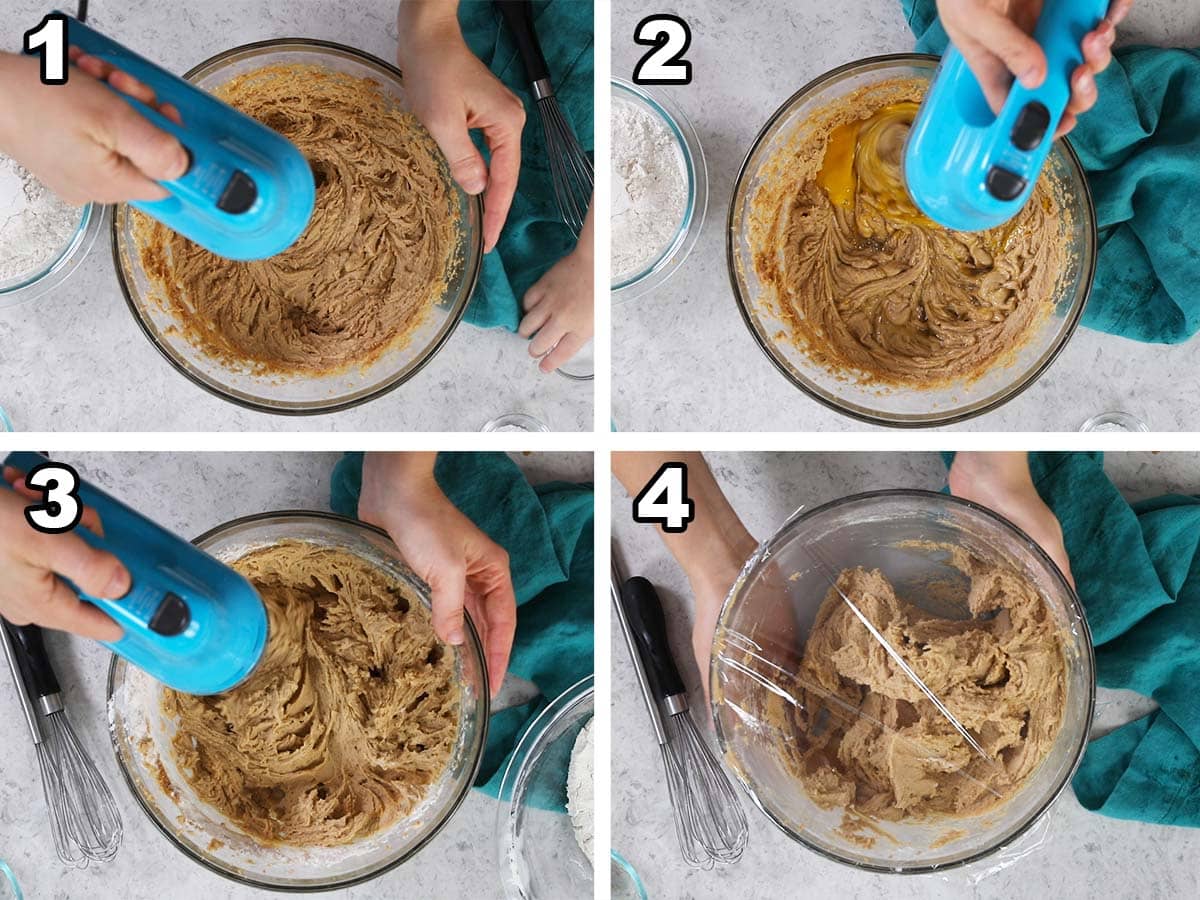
(49, 41)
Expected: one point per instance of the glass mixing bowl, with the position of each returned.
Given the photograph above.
(38, 284)
(894, 405)
(765, 623)
(306, 394)
(141, 738)
(539, 856)
(692, 153)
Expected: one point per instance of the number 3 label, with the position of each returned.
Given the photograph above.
(664, 500)
(60, 509)
(670, 37)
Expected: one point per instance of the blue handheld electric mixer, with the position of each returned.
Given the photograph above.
(190, 621)
(970, 169)
(248, 193)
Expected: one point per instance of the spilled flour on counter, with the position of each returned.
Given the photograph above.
(649, 189)
(35, 225)
(581, 792)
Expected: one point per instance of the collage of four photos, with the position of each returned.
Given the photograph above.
(355, 541)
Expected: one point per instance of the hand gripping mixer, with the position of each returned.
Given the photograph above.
(970, 169)
(248, 193)
(190, 621)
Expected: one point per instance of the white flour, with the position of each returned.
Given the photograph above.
(581, 792)
(35, 225)
(649, 188)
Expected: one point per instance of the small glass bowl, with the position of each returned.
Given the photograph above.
(515, 422)
(1115, 422)
(582, 366)
(900, 406)
(626, 882)
(303, 394)
(539, 856)
(5, 422)
(91, 222)
(766, 620)
(137, 726)
(692, 222)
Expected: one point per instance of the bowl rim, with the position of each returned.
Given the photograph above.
(447, 814)
(765, 551)
(454, 320)
(517, 763)
(1088, 274)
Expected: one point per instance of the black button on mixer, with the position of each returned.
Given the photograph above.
(1030, 127)
(172, 617)
(1004, 184)
(239, 194)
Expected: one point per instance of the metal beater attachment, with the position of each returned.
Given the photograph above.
(574, 176)
(83, 816)
(709, 820)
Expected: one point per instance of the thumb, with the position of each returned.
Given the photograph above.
(466, 163)
(448, 591)
(94, 572)
(152, 151)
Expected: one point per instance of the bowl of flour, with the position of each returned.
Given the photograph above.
(42, 238)
(547, 815)
(659, 189)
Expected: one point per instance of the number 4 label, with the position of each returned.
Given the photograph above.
(60, 509)
(664, 500)
(49, 40)
(670, 37)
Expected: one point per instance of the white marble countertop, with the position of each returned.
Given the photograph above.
(675, 349)
(196, 492)
(1072, 852)
(77, 361)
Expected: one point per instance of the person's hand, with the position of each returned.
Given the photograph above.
(994, 38)
(80, 139)
(559, 308)
(1001, 482)
(452, 92)
(463, 567)
(31, 563)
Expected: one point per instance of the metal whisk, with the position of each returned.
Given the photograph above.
(83, 816)
(709, 820)
(574, 177)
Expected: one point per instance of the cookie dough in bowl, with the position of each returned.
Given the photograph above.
(374, 286)
(902, 681)
(349, 746)
(863, 302)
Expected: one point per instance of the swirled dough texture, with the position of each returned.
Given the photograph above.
(375, 259)
(868, 287)
(347, 720)
(870, 741)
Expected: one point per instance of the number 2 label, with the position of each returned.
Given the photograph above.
(60, 509)
(664, 500)
(49, 41)
(670, 37)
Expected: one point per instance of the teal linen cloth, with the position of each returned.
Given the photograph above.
(1137, 570)
(1140, 146)
(547, 531)
(534, 238)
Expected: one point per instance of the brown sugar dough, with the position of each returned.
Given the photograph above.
(346, 722)
(376, 256)
(873, 290)
(869, 740)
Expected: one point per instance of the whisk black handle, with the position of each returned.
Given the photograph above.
(518, 15)
(33, 659)
(645, 613)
